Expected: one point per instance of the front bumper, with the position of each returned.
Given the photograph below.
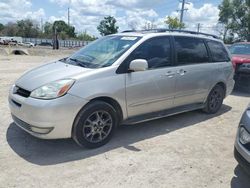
(242, 152)
(47, 119)
(244, 68)
(242, 161)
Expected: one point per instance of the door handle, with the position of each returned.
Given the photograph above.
(181, 72)
(169, 74)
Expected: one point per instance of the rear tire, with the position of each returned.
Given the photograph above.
(214, 100)
(95, 124)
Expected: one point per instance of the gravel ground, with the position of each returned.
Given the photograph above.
(187, 150)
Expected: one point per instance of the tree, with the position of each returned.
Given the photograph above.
(85, 37)
(174, 23)
(235, 15)
(224, 17)
(107, 26)
(10, 29)
(30, 29)
(27, 28)
(1, 27)
(64, 30)
(48, 29)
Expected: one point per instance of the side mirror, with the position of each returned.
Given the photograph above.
(138, 65)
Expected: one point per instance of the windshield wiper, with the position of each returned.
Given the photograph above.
(82, 64)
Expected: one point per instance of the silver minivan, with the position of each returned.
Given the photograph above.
(123, 78)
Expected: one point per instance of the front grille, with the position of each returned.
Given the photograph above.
(247, 146)
(22, 92)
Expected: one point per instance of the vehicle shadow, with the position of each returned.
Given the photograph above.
(49, 152)
(240, 179)
(241, 92)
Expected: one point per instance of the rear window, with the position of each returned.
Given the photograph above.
(218, 51)
(243, 49)
(190, 50)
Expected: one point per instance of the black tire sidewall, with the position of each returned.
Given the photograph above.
(77, 132)
(207, 108)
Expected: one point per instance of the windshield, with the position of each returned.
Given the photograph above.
(240, 49)
(102, 52)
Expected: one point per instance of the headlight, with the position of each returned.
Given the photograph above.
(244, 136)
(53, 90)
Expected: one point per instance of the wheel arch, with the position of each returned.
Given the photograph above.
(223, 85)
(114, 103)
(109, 101)
(220, 83)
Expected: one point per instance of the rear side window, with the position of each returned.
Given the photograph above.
(218, 51)
(190, 50)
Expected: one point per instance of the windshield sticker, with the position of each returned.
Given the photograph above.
(128, 38)
(126, 46)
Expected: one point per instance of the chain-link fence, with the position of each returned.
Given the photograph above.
(62, 43)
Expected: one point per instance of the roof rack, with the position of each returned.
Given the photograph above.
(171, 30)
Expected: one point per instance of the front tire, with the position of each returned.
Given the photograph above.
(95, 124)
(214, 100)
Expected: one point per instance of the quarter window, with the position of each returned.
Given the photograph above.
(218, 51)
(190, 50)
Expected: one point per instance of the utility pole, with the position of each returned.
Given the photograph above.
(68, 16)
(183, 2)
(42, 25)
(182, 10)
(69, 13)
(198, 27)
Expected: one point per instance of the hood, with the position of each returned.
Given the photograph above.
(47, 73)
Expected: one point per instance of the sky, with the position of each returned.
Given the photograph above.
(85, 15)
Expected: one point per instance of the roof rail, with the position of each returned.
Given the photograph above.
(172, 30)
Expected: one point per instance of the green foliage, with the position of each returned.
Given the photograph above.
(235, 15)
(1, 27)
(86, 37)
(174, 23)
(108, 26)
(64, 30)
(27, 28)
(48, 29)
(225, 11)
(10, 29)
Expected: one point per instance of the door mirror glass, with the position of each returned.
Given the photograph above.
(138, 65)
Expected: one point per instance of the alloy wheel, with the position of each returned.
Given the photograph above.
(97, 126)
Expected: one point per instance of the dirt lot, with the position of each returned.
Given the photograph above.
(187, 150)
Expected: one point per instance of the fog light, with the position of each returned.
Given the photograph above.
(244, 136)
(41, 130)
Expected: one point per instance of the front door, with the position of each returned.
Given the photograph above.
(151, 90)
